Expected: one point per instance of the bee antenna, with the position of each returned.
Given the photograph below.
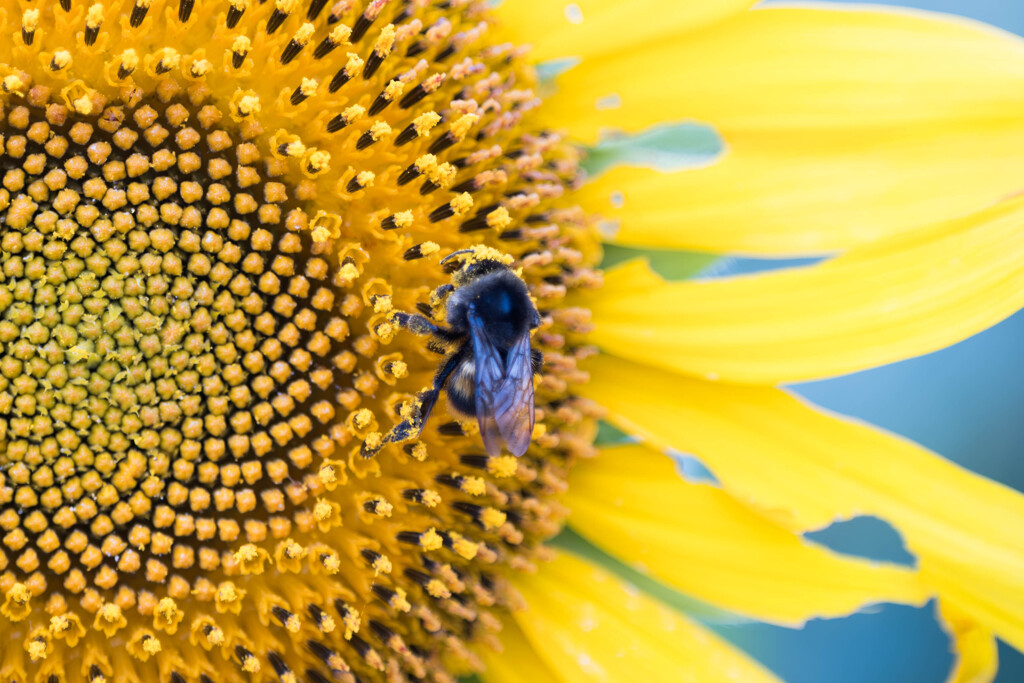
(454, 254)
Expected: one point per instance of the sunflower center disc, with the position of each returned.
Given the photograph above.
(165, 343)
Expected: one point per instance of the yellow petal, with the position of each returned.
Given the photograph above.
(591, 28)
(885, 302)
(631, 502)
(803, 70)
(798, 193)
(588, 626)
(841, 125)
(517, 661)
(806, 469)
(977, 657)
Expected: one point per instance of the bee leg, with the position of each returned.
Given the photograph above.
(438, 296)
(415, 323)
(416, 416)
(536, 360)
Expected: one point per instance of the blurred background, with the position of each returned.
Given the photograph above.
(964, 402)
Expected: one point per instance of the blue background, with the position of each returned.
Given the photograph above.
(964, 402)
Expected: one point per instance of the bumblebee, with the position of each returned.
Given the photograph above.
(489, 367)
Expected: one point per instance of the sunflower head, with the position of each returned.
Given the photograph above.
(210, 212)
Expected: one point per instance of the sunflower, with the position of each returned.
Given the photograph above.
(212, 212)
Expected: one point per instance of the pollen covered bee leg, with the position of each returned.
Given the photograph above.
(415, 415)
(420, 325)
(415, 323)
(441, 294)
(536, 360)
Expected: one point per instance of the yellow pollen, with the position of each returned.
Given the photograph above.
(362, 418)
(248, 104)
(16, 605)
(462, 125)
(323, 510)
(403, 219)
(399, 601)
(382, 508)
(94, 17)
(492, 518)
(353, 65)
(423, 123)
(464, 547)
(426, 163)
(462, 204)
(386, 41)
(386, 332)
(499, 218)
(339, 35)
(241, 45)
(109, 619)
(393, 90)
(431, 540)
(365, 178)
(151, 646)
(61, 60)
(129, 60)
(200, 68)
(442, 175)
(328, 475)
(308, 88)
(379, 130)
(332, 564)
(36, 650)
(474, 486)
(215, 636)
(13, 84)
(419, 452)
(30, 20)
(318, 162)
(352, 622)
(292, 550)
(373, 440)
(229, 598)
(348, 272)
(438, 590)
(482, 252)
(294, 149)
(353, 113)
(304, 34)
(83, 104)
(503, 466)
(382, 565)
(399, 369)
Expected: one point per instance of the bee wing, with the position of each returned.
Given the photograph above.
(504, 391)
(515, 412)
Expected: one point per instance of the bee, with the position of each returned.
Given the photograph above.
(489, 367)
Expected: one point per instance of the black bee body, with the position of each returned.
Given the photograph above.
(489, 367)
